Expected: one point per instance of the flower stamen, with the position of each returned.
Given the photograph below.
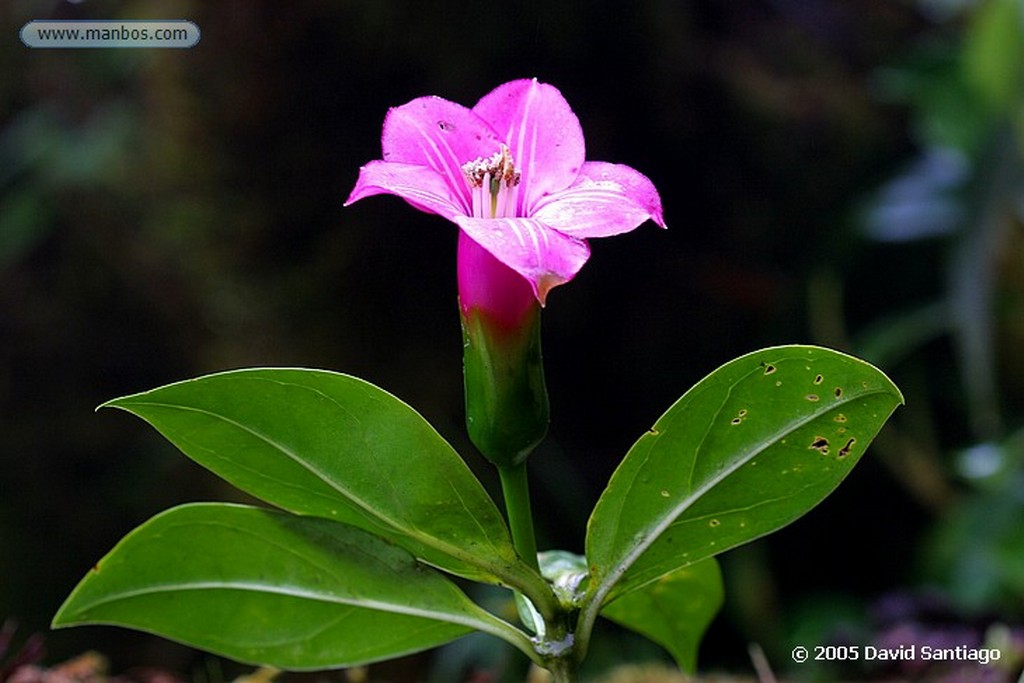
(492, 183)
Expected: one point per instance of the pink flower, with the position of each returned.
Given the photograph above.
(511, 173)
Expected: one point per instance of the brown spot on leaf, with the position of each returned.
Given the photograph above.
(839, 392)
(812, 397)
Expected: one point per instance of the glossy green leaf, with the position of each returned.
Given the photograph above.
(267, 587)
(330, 445)
(675, 610)
(754, 445)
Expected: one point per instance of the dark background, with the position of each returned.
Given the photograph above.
(836, 172)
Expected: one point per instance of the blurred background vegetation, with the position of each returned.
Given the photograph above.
(842, 172)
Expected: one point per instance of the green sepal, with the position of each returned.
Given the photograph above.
(507, 409)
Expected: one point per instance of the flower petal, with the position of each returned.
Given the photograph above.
(422, 187)
(541, 131)
(606, 199)
(542, 255)
(443, 135)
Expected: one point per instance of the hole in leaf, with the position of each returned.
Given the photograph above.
(845, 450)
(839, 392)
(819, 444)
(768, 368)
(818, 379)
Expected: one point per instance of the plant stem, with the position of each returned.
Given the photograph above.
(563, 665)
(563, 670)
(558, 650)
(516, 491)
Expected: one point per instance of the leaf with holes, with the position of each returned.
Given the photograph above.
(321, 443)
(754, 445)
(675, 610)
(267, 587)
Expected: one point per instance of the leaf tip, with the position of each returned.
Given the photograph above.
(121, 403)
(61, 619)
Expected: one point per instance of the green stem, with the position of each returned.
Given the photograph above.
(563, 670)
(557, 650)
(516, 491)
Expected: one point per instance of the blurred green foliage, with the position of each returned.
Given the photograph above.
(846, 173)
(965, 89)
(948, 309)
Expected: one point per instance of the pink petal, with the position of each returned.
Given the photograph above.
(441, 135)
(422, 187)
(606, 199)
(542, 133)
(542, 255)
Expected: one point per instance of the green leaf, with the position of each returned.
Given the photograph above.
(330, 445)
(266, 587)
(675, 610)
(754, 445)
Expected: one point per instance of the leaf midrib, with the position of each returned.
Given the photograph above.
(287, 591)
